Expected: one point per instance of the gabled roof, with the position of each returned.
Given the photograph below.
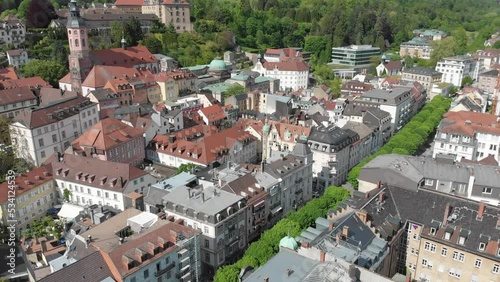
(287, 64)
(129, 57)
(469, 123)
(422, 71)
(213, 113)
(103, 94)
(106, 134)
(28, 81)
(394, 65)
(15, 53)
(50, 96)
(94, 172)
(101, 74)
(16, 95)
(24, 182)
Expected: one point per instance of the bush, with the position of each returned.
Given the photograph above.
(267, 246)
(409, 139)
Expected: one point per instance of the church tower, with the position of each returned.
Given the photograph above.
(79, 60)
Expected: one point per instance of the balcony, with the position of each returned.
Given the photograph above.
(298, 191)
(165, 270)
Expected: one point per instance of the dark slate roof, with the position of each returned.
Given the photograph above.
(284, 166)
(89, 269)
(102, 94)
(332, 135)
(427, 208)
(301, 149)
(422, 71)
(471, 105)
(493, 73)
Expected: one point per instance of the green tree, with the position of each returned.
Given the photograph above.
(335, 85)
(153, 44)
(323, 74)
(234, 89)
(22, 10)
(67, 195)
(185, 168)
(467, 81)
(48, 70)
(11, 12)
(443, 48)
(496, 45)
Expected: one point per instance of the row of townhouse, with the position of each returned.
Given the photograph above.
(446, 236)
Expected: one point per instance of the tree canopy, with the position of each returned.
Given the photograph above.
(48, 70)
(234, 89)
(185, 168)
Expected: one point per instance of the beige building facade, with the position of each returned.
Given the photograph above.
(175, 12)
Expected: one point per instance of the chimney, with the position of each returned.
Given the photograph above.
(202, 197)
(266, 279)
(381, 197)
(189, 192)
(306, 244)
(362, 215)
(288, 272)
(120, 241)
(446, 214)
(331, 226)
(89, 238)
(367, 195)
(345, 231)
(480, 211)
(379, 184)
(322, 256)
(43, 243)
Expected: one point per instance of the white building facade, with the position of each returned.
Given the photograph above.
(37, 134)
(454, 69)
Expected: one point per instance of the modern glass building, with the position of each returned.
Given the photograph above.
(354, 55)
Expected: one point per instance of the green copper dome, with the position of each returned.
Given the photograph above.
(303, 136)
(288, 134)
(289, 242)
(217, 64)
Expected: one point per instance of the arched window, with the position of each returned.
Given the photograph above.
(82, 31)
(76, 43)
(83, 42)
(177, 13)
(69, 31)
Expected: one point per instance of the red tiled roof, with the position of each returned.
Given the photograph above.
(50, 96)
(40, 117)
(470, 123)
(65, 79)
(287, 52)
(16, 95)
(106, 134)
(26, 181)
(8, 73)
(175, 2)
(100, 74)
(287, 64)
(489, 160)
(129, 2)
(29, 81)
(207, 148)
(167, 233)
(394, 65)
(129, 57)
(113, 176)
(213, 113)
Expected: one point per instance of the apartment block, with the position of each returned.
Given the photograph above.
(354, 55)
(36, 134)
(454, 69)
(174, 12)
(468, 135)
(35, 193)
(14, 100)
(425, 76)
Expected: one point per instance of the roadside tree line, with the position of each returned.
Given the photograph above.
(259, 252)
(409, 139)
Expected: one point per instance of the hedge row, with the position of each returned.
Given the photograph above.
(259, 252)
(409, 139)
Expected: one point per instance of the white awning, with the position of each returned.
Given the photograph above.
(276, 209)
(141, 221)
(258, 204)
(69, 211)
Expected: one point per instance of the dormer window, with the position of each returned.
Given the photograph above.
(433, 231)
(447, 235)
(482, 246)
(461, 240)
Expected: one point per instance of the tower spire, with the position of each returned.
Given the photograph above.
(123, 41)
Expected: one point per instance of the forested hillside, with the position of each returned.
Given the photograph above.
(319, 24)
